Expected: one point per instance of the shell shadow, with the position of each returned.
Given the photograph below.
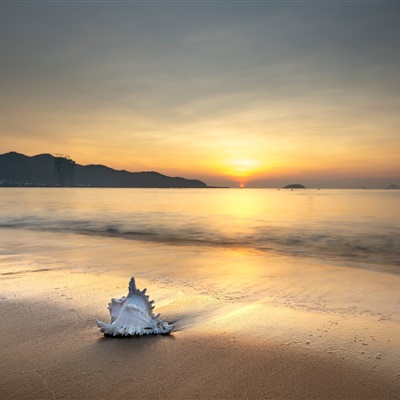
(106, 338)
(185, 321)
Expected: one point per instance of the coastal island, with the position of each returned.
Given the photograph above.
(294, 186)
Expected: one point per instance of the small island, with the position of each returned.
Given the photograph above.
(294, 186)
(393, 187)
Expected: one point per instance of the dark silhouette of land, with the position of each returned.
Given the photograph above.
(294, 186)
(46, 170)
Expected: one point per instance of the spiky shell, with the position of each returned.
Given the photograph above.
(133, 315)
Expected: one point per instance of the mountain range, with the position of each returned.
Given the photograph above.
(41, 170)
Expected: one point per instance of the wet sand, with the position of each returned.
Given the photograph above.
(220, 348)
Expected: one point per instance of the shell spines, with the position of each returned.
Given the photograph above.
(133, 315)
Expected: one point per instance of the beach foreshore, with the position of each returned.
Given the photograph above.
(220, 349)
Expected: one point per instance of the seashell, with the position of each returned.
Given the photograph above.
(133, 315)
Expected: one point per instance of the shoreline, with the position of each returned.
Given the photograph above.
(51, 346)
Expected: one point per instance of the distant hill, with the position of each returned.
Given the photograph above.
(17, 169)
(20, 170)
(392, 187)
(294, 186)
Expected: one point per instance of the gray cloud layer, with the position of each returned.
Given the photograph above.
(176, 65)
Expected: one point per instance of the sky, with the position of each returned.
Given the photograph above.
(253, 93)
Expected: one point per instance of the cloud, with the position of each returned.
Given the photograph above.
(199, 84)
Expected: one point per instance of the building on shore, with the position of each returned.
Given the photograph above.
(65, 170)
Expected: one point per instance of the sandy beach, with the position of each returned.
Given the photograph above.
(220, 349)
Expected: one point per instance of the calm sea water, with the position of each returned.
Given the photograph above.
(357, 228)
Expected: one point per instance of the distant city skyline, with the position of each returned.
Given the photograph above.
(260, 94)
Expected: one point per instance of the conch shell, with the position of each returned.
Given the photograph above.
(133, 315)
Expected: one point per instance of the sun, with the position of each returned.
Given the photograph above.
(242, 170)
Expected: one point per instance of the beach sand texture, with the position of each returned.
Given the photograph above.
(224, 346)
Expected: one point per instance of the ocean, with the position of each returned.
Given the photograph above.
(309, 249)
(356, 228)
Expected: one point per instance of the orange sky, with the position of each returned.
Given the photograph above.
(260, 94)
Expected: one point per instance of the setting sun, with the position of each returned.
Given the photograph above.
(242, 170)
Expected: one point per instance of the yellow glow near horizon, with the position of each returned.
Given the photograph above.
(241, 170)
